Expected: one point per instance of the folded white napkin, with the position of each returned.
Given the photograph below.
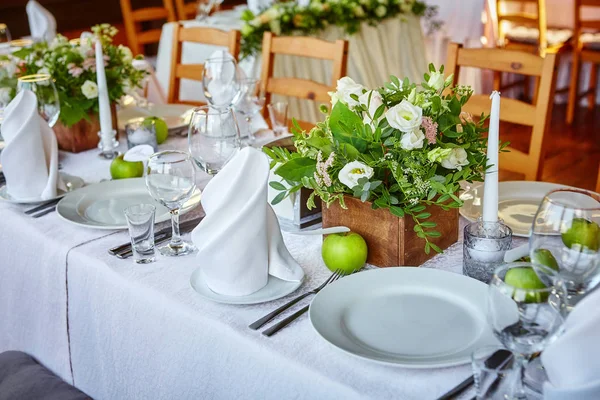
(42, 23)
(257, 6)
(30, 158)
(572, 362)
(239, 241)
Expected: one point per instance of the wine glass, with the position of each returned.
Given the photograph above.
(249, 101)
(171, 180)
(220, 81)
(565, 236)
(5, 37)
(42, 85)
(213, 138)
(525, 303)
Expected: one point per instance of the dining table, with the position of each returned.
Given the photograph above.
(120, 330)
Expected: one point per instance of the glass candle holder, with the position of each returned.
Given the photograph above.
(139, 132)
(483, 248)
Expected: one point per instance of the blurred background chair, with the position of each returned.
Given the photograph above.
(135, 19)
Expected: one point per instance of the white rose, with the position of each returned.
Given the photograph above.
(353, 171)
(346, 87)
(456, 159)
(90, 89)
(376, 101)
(405, 116)
(4, 96)
(436, 81)
(412, 140)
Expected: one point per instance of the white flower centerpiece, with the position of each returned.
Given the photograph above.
(396, 153)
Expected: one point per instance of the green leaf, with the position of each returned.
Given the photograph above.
(424, 215)
(276, 185)
(454, 106)
(297, 168)
(436, 248)
(279, 198)
(397, 211)
(428, 224)
(345, 124)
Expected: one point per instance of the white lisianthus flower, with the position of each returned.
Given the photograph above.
(438, 154)
(89, 89)
(334, 98)
(346, 87)
(353, 171)
(412, 140)
(127, 54)
(436, 81)
(456, 159)
(4, 96)
(405, 117)
(372, 106)
(381, 11)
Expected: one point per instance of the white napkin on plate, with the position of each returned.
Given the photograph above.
(30, 158)
(572, 362)
(42, 23)
(239, 241)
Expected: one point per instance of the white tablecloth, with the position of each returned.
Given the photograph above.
(394, 46)
(141, 332)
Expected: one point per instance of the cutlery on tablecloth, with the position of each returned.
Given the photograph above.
(124, 251)
(323, 231)
(44, 212)
(260, 322)
(499, 359)
(43, 206)
(288, 320)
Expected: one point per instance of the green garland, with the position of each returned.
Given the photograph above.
(290, 18)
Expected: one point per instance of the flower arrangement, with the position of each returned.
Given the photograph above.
(290, 18)
(72, 65)
(403, 147)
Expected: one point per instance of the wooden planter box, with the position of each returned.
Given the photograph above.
(392, 240)
(83, 135)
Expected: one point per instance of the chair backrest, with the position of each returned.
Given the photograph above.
(133, 20)
(301, 46)
(186, 10)
(180, 71)
(511, 110)
(583, 24)
(522, 18)
(598, 181)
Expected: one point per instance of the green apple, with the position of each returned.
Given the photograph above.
(162, 130)
(121, 169)
(583, 233)
(545, 257)
(344, 251)
(526, 278)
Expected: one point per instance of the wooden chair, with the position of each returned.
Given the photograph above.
(598, 181)
(180, 71)
(586, 49)
(528, 32)
(301, 46)
(186, 10)
(133, 23)
(511, 110)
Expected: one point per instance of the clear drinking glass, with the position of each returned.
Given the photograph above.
(220, 81)
(279, 118)
(484, 246)
(140, 132)
(42, 85)
(171, 180)
(5, 37)
(140, 220)
(491, 370)
(565, 235)
(525, 303)
(213, 138)
(249, 101)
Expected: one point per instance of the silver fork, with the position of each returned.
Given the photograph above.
(260, 322)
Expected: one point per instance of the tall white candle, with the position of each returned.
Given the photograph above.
(490, 191)
(103, 101)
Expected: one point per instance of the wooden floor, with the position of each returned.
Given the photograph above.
(573, 153)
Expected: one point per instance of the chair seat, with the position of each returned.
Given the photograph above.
(590, 41)
(523, 34)
(22, 377)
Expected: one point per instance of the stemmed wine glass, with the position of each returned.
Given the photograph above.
(220, 81)
(42, 85)
(249, 101)
(171, 180)
(525, 303)
(565, 236)
(213, 138)
(5, 37)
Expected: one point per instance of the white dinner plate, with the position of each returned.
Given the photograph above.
(101, 205)
(72, 182)
(518, 202)
(276, 288)
(177, 116)
(409, 317)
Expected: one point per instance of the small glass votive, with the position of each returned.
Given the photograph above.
(484, 246)
(140, 132)
(491, 371)
(140, 220)
(278, 114)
